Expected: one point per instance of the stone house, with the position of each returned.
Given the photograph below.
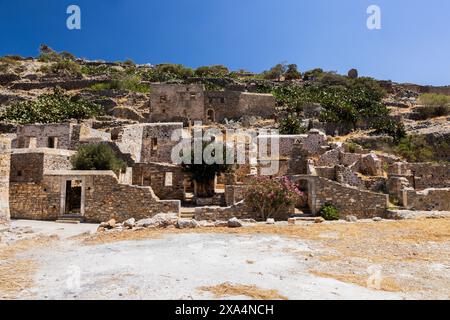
(42, 187)
(176, 103)
(189, 103)
(57, 136)
(149, 142)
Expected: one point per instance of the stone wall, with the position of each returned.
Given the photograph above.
(104, 198)
(159, 134)
(57, 136)
(176, 102)
(166, 180)
(349, 200)
(5, 147)
(129, 141)
(29, 165)
(428, 199)
(239, 211)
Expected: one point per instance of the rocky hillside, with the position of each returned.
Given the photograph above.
(121, 91)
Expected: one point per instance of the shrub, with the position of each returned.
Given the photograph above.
(97, 157)
(123, 82)
(329, 212)
(50, 108)
(167, 72)
(217, 71)
(292, 72)
(430, 111)
(389, 126)
(267, 196)
(275, 73)
(415, 149)
(63, 67)
(291, 124)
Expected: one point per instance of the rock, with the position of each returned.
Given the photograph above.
(291, 221)
(319, 220)
(206, 224)
(187, 224)
(161, 220)
(130, 223)
(145, 223)
(221, 224)
(104, 225)
(101, 229)
(234, 223)
(248, 220)
(270, 221)
(377, 219)
(111, 223)
(351, 219)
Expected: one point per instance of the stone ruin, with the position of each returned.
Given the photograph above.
(37, 180)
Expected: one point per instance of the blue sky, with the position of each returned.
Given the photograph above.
(412, 46)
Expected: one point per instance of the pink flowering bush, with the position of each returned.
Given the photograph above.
(267, 196)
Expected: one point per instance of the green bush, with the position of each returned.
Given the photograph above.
(50, 108)
(167, 72)
(329, 212)
(63, 67)
(123, 82)
(216, 71)
(291, 124)
(292, 72)
(389, 126)
(97, 157)
(267, 196)
(415, 149)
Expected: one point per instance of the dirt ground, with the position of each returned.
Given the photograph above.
(407, 259)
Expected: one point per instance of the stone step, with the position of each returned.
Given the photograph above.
(70, 219)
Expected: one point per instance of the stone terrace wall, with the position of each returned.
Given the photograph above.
(349, 200)
(429, 199)
(5, 146)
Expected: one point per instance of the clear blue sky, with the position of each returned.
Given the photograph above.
(412, 46)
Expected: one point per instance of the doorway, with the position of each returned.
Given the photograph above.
(73, 197)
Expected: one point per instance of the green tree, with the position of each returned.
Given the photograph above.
(292, 72)
(203, 174)
(97, 157)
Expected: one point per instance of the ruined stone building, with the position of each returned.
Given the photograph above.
(189, 103)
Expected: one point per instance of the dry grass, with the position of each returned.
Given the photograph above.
(387, 283)
(16, 274)
(232, 290)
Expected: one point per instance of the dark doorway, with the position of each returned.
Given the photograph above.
(73, 197)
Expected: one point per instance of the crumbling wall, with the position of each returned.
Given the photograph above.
(161, 135)
(166, 180)
(428, 199)
(176, 102)
(104, 198)
(349, 200)
(5, 148)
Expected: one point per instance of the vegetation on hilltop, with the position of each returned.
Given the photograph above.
(57, 106)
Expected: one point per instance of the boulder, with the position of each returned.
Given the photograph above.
(270, 221)
(130, 223)
(234, 223)
(319, 220)
(221, 224)
(351, 219)
(187, 224)
(377, 219)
